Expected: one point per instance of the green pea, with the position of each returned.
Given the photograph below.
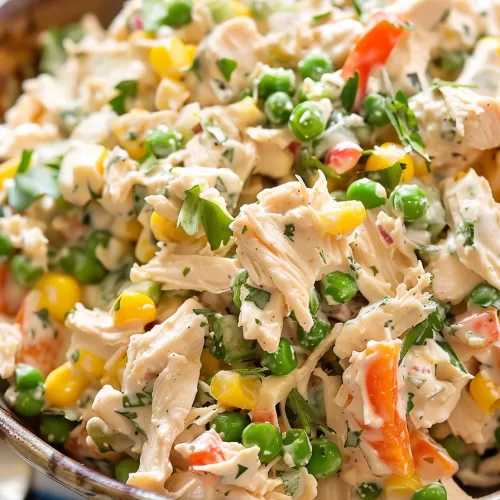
(483, 295)
(25, 271)
(88, 269)
(6, 248)
(314, 66)
(410, 201)
(338, 288)
(230, 425)
(29, 402)
(55, 429)
(281, 362)
(150, 288)
(306, 121)
(178, 13)
(368, 491)
(326, 459)
(97, 238)
(28, 377)
(453, 61)
(370, 193)
(373, 110)
(162, 142)
(278, 107)
(454, 446)
(276, 80)
(431, 491)
(68, 258)
(296, 447)
(126, 467)
(312, 339)
(266, 437)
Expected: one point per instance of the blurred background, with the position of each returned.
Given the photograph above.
(25, 25)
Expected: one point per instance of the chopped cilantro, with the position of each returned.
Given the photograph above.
(126, 89)
(186, 271)
(305, 413)
(259, 297)
(290, 231)
(241, 470)
(226, 67)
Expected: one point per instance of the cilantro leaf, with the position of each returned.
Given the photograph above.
(214, 219)
(126, 89)
(352, 438)
(290, 231)
(190, 214)
(305, 413)
(241, 470)
(467, 231)
(139, 399)
(454, 360)
(226, 67)
(252, 372)
(216, 224)
(31, 185)
(214, 130)
(348, 95)
(409, 403)
(405, 123)
(153, 13)
(129, 415)
(25, 161)
(259, 297)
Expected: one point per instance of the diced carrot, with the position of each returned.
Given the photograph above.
(383, 32)
(477, 330)
(207, 449)
(391, 440)
(432, 461)
(39, 348)
(268, 415)
(343, 157)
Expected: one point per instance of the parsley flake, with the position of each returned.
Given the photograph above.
(226, 67)
(290, 231)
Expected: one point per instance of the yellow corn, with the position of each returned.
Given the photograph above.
(59, 294)
(89, 364)
(170, 94)
(132, 306)
(172, 58)
(240, 9)
(167, 231)
(8, 169)
(101, 159)
(63, 386)
(401, 485)
(168, 305)
(343, 217)
(124, 129)
(145, 249)
(246, 113)
(114, 376)
(231, 389)
(210, 365)
(387, 155)
(485, 393)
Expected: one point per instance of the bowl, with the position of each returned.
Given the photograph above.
(21, 22)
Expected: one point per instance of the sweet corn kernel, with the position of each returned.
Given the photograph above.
(171, 94)
(114, 376)
(167, 231)
(231, 389)
(132, 306)
(343, 217)
(246, 113)
(172, 58)
(100, 161)
(401, 485)
(63, 386)
(145, 249)
(419, 166)
(8, 169)
(387, 155)
(168, 305)
(210, 365)
(59, 294)
(89, 364)
(240, 9)
(485, 393)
